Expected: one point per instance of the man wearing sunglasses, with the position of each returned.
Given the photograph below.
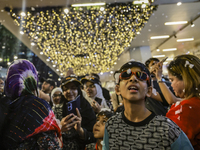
(136, 127)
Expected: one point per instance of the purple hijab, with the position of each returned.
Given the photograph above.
(22, 79)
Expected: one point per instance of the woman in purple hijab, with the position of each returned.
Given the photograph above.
(29, 123)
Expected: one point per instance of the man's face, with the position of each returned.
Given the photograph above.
(151, 66)
(1, 86)
(46, 87)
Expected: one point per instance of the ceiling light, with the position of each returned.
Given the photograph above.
(169, 59)
(15, 57)
(22, 14)
(59, 79)
(21, 32)
(8, 63)
(1, 59)
(169, 49)
(141, 2)
(158, 56)
(66, 10)
(158, 50)
(192, 24)
(159, 37)
(179, 3)
(101, 73)
(47, 59)
(88, 4)
(41, 53)
(32, 44)
(57, 70)
(176, 22)
(165, 63)
(54, 65)
(184, 40)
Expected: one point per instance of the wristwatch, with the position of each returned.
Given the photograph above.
(161, 80)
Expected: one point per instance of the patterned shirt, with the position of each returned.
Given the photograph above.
(153, 133)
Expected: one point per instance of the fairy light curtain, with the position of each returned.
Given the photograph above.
(88, 39)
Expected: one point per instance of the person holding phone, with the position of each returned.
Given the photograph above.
(94, 93)
(73, 124)
(159, 107)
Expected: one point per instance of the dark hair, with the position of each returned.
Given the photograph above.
(95, 75)
(147, 62)
(106, 113)
(140, 65)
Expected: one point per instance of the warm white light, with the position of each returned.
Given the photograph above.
(59, 79)
(192, 25)
(115, 63)
(111, 72)
(169, 59)
(61, 74)
(54, 65)
(141, 2)
(66, 10)
(41, 53)
(21, 32)
(101, 73)
(143, 5)
(179, 3)
(175, 23)
(8, 63)
(88, 4)
(170, 49)
(159, 37)
(158, 50)
(158, 56)
(138, 32)
(47, 59)
(165, 63)
(1, 59)
(183, 40)
(57, 69)
(15, 57)
(23, 14)
(32, 44)
(102, 8)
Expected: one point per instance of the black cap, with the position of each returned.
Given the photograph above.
(68, 79)
(90, 79)
(51, 82)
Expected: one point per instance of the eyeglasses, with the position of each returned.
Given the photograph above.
(140, 75)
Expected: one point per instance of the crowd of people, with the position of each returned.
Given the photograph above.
(146, 111)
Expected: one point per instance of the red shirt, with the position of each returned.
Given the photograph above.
(186, 114)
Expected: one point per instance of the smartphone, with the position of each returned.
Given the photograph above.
(164, 60)
(98, 100)
(72, 105)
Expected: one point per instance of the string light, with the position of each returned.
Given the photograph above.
(87, 39)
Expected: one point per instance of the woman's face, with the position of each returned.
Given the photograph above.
(70, 91)
(57, 97)
(90, 89)
(177, 85)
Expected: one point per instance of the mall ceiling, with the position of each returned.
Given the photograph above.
(168, 11)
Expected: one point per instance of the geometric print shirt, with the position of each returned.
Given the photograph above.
(153, 133)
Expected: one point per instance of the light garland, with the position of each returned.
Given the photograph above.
(88, 39)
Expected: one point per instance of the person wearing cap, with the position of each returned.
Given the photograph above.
(136, 127)
(73, 126)
(94, 94)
